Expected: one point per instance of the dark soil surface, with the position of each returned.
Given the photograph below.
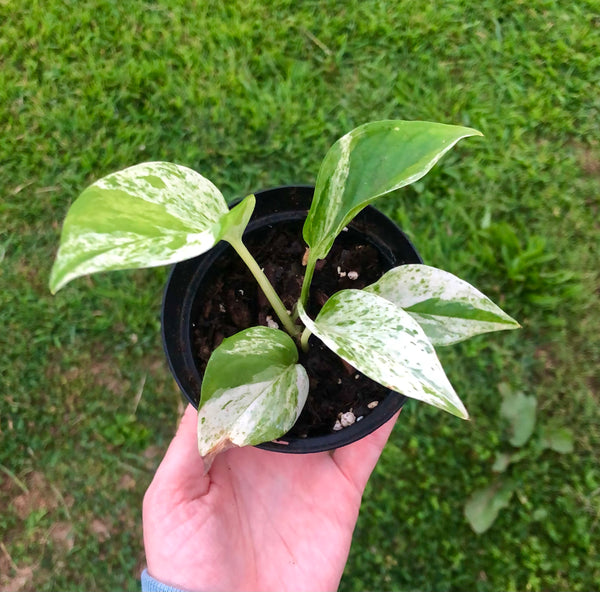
(232, 301)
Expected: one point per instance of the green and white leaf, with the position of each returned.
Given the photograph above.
(448, 309)
(150, 214)
(386, 344)
(483, 506)
(368, 162)
(519, 410)
(252, 391)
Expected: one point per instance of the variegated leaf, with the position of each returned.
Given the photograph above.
(252, 391)
(149, 214)
(386, 344)
(370, 161)
(448, 309)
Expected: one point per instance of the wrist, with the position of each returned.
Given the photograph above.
(150, 584)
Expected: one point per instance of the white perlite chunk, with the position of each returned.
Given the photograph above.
(344, 420)
(353, 275)
(271, 323)
(373, 404)
(347, 419)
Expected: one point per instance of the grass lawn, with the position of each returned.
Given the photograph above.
(251, 94)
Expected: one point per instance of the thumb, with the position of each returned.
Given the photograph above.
(181, 472)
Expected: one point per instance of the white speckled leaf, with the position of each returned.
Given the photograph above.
(150, 214)
(386, 344)
(448, 309)
(368, 162)
(252, 391)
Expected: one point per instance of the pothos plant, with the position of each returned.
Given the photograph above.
(253, 389)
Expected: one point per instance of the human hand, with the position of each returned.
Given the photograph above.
(258, 520)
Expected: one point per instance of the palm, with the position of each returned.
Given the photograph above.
(258, 520)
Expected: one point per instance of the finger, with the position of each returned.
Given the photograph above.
(358, 460)
(182, 468)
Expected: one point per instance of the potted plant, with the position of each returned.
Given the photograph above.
(214, 295)
(253, 388)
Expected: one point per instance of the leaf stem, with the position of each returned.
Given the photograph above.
(304, 339)
(308, 275)
(265, 286)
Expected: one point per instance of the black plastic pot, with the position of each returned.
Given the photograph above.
(184, 290)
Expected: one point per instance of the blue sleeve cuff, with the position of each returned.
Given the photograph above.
(149, 584)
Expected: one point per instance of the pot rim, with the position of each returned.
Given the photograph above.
(177, 301)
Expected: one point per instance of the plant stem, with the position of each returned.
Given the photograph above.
(265, 286)
(308, 275)
(304, 339)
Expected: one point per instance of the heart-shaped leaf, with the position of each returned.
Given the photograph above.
(252, 391)
(519, 411)
(483, 506)
(370, 161)
(386, 344)
(448, 309)
(150, 214)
